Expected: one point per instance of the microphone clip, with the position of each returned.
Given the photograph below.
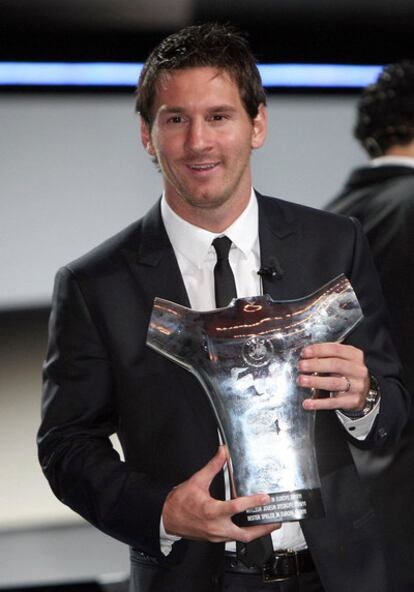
(271, 271)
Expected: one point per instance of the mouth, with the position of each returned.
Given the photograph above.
(202, 167)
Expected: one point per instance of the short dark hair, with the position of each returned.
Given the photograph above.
(386, 109)
(214, 45)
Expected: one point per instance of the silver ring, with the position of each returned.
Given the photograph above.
(348, 385)
(313, 391)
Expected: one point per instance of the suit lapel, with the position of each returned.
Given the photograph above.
(154, 264)
(278, 231)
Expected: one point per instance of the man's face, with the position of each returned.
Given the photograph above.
(202, 137)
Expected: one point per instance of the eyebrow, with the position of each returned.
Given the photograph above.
(222, 108)
(215, 109)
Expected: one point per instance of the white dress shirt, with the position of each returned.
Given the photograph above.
(393, 160)
(196, 259)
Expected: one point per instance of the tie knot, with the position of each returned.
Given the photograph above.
(222, 246)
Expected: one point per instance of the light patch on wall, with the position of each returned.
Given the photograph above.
(116, 74)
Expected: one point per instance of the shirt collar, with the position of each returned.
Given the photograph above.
(244, 232)
(393, 160)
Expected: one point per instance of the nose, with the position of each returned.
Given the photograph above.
(199, 138)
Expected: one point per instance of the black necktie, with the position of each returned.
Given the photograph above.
(224, 284)
(258, 551)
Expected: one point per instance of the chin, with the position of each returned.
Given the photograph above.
(204, 199)
(206, 202)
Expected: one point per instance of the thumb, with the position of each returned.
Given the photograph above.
(205, 475)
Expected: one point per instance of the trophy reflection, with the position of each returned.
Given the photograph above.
(245, 356)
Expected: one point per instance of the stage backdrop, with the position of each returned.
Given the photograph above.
(73, 172)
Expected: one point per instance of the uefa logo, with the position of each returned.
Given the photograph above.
(257, 351)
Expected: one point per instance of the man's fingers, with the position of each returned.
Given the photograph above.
(333, 383)
(335, 350)
(353, 402)
(229, 508)
(189, 511)
(336, 368)
(204, 476)
(329, 366)
(241, 504)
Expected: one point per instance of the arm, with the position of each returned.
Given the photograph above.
(78, 416)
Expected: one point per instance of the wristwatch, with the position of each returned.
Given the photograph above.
(370, 400)
(372, 396)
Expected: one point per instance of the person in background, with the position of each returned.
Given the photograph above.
(381, 196)
(203, 111)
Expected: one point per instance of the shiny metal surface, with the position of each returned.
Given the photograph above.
(246, 356)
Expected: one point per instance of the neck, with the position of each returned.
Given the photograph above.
(215, 218)
(401, 150)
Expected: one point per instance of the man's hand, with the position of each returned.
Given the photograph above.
(336, 368)
(190, 511)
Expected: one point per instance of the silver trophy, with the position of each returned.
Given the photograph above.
(246, 356)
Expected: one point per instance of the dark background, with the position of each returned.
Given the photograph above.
(325, 31)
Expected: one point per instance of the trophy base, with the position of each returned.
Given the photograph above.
(285, 506)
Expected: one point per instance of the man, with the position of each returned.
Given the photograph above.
(381, 196)
(202, 109)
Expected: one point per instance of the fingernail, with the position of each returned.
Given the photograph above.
(308, 404)
(306, 352)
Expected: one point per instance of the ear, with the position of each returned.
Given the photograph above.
(146, 138)
(259, 127)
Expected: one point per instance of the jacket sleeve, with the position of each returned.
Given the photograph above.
(78, 418)
(373, 337)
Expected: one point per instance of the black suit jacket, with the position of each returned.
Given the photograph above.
(100, 378)
(382, 199)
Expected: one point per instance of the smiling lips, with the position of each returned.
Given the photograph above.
(203, 167)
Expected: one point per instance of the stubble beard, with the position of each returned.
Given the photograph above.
(206, 200)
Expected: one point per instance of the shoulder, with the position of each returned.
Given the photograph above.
(401, 193)
(305, 217)
(108, 256)
(389, 204)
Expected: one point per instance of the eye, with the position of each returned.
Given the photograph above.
(218, 117)
(175, 119)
